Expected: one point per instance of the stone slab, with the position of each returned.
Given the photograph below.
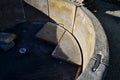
(68, 50)
(62, 13)
(51, 33)
(85, 34)
(88, 74)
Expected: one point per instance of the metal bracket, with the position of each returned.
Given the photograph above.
(97, 62)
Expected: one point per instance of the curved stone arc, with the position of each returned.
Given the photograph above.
(88, 44)
(101, 45)
(68, 50)
(51, 33)
(85, 34)
(63, 12)
(101, 42)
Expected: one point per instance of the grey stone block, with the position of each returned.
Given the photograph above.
(51, 33)
(68, 50)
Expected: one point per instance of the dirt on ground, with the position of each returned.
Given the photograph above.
(109, 16)
(37, 63)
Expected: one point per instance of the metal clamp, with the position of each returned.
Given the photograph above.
(97, 62)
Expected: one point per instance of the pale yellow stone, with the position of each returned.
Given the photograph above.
(51, 33)
(68, 50)
(80, 1)
(85, 34)
(62, 13)
(41, 5)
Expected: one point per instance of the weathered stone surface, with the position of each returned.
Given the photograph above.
(68, 49)
(41, 5)
(74, 1)
(62, 12)
(80, 1)
(101, 44)
(84, 32)
(51, 33)
(88, 74)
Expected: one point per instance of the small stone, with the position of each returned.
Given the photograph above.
(51, 33)
(68, 50)
(6, 38)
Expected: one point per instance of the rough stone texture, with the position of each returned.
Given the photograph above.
(88, 74)
(68, 50)
(51, 33)
(62, 12)
(75, 2)
(100, 45)
(11, 13)
(80, 1)
(111, 25)
(41, 5)
(84, 32)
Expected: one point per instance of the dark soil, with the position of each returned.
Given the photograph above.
(37, 64)
(109, 16)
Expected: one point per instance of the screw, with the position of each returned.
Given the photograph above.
(22, 50)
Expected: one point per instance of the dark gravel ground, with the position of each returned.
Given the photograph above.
(37, 64)
(11, 13)
(109, 16)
